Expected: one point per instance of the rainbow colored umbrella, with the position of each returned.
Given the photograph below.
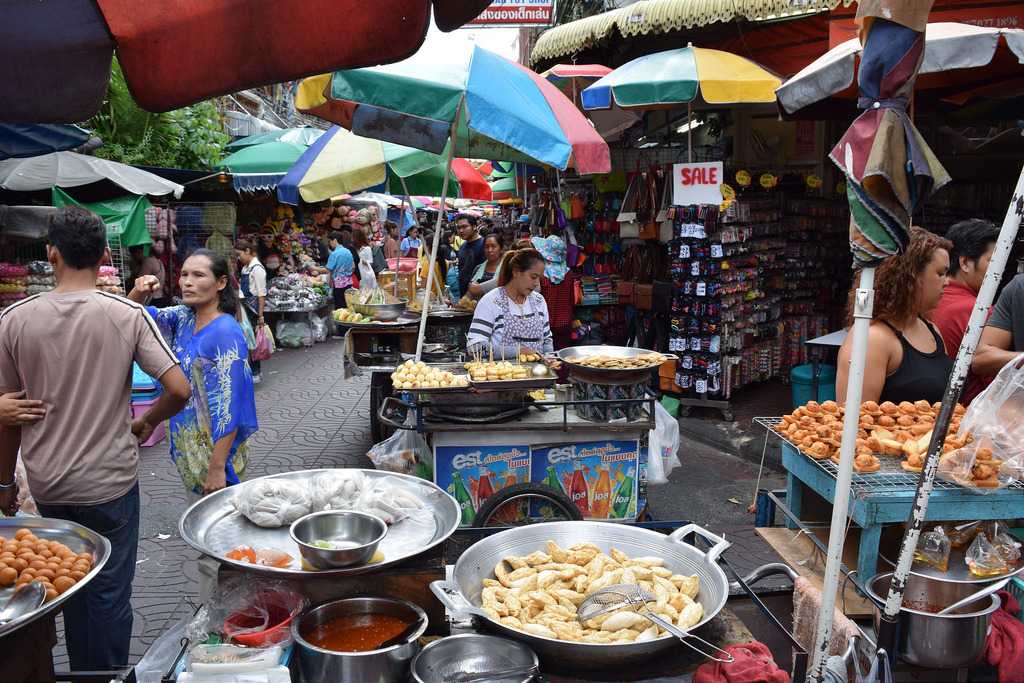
(491, 107)
(341, 162)
(573, 79)
(682, 76)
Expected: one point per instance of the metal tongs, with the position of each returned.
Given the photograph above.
(618, 596)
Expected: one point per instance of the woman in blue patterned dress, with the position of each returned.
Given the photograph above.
(208, 436)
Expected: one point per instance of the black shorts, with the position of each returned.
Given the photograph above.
(339, 297)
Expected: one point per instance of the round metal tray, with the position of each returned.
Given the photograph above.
(573, 354)
(958, 571)
(74, 536)
(213, 527)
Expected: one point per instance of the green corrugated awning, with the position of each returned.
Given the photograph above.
(664, 16)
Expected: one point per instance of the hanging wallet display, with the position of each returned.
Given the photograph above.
(627, 292)
(644, 297)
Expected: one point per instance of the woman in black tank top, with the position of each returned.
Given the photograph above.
(901, 365)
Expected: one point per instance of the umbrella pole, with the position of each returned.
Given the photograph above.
(437, 238)
(405, 199)
(689, 132)
(863, 308)
(1000, 255)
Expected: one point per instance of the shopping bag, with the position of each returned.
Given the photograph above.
(247, 331)
(264, 343)
(662, 447)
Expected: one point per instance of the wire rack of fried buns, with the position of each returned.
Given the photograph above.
(892, 441)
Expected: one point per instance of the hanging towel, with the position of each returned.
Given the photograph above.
(1006, 641)
(806, 605)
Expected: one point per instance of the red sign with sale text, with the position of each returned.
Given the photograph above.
(697, 183)
(516, 13)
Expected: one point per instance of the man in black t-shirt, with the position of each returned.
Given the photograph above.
(471, 253)
(1002, 340)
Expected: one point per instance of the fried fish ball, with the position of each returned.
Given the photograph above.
(37, 564)
(22, 533)
(63, 583)
(46, 574)
(8, 575)
(77, 574)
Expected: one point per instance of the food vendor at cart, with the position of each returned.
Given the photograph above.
(906, 358)
(513, 318)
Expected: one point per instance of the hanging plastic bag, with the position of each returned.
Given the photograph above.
(405, 452)
(247, 331)
(662, 446)
(319, 329)
(264, 343)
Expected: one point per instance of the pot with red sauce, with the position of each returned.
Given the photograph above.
(340, 640)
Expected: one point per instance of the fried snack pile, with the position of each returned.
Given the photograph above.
(496, 370)
(538, 594)
(647, 360)
(899, 431)
(26, 558)
(410, 375)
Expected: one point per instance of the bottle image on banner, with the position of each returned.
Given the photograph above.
(510, 512)
(552, 480)
(578, 491)
(600, 504)
(461, 495)
(623, 496)
(484, 488)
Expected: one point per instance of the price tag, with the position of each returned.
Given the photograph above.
(702, 289)
(716, 251)
(684, 251)
(702, 386)
(695, 268)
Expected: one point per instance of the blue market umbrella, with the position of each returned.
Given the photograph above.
(21, 140)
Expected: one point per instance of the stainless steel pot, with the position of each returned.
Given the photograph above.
(928, 640)
(462, 596)
(390, 665)
(470, 653)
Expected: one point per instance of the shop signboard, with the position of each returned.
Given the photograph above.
(471, 474)
(601, 477)
(699, 183)
(529, 13)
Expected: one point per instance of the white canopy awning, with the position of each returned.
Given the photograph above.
(69, 169)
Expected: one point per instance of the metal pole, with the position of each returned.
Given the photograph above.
(863, 307)
(405, 200)
(437, 237)
(689, 132)
(1000, 255)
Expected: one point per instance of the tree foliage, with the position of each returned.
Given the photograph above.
(191, 137)
(571, 10)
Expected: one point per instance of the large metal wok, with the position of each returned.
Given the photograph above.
(462, 595)
(572, 356)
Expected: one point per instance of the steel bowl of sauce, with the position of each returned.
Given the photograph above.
(340, 640)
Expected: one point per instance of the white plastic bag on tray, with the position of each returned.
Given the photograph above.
(338, 489)
(994, 456)
(405, 452)
(273, 503)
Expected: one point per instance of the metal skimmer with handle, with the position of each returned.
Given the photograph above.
(629, 595)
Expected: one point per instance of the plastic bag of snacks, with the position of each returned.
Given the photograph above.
(405, 452)
(984, 559)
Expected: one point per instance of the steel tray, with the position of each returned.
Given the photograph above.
(74, 536)
(213, 527)
(527, 384)
(573, 354)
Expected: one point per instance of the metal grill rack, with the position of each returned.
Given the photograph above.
(891, 477)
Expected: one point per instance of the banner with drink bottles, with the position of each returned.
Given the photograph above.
(601, 477)
(470, 474)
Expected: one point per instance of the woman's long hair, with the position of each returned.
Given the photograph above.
(519, 260)
(227, 301)
(896, 280)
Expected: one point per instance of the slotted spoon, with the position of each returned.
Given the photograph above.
(628, 595)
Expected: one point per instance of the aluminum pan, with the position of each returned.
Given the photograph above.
(573, 354)
(477, 564)
(213, 527)
(74, 536)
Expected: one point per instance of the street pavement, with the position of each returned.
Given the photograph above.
(310, 417)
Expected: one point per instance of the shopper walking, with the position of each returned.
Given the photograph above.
(340, 267)
(72, 349)
(208, 436)
(253, 290)
(367, 278)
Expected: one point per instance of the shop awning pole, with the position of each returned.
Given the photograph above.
(406, 199)
(997, 265)
(689, 132)
(864, 300)
(437, 235)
